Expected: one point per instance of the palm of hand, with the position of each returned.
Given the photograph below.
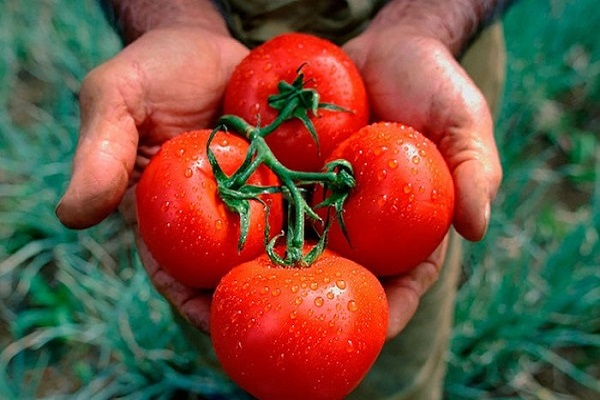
(417, 81)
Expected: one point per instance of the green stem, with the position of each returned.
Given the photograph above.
(293, 101)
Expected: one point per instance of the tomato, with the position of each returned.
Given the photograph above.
(326, 68)
(403, 202)
(298, 333)
(185, 225)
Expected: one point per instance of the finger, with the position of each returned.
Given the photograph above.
(106, 151)
(404, 292)
(470, 150)
(192, 304)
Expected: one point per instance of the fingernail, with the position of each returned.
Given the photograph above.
(486, 218)
(57, 209)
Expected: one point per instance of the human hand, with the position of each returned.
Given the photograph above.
(168, 81)
(415, 79)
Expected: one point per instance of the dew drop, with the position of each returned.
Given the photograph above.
(219, 224)
(165, 206)
(352, 306)
(314, 285)
(298, 301)
(295, 288)
(408, 188)
(293, 314)
(276, 292)
(340, 283)
(393, 163)
(382, 200)
(330, 295)
(416, 159)
(381, 174)
(319, 301)
(349, 346)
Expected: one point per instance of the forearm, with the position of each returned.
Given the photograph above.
(453, 22)
(132, 18)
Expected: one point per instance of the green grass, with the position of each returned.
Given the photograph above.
(79, 319)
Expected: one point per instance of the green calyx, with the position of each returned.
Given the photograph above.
(292, 101)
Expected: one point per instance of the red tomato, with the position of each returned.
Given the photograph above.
(186, 227)
(326, 68)
(403, 202)
(298, 333)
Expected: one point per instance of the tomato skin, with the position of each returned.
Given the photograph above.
(327, 68)
(403, 202)
(187, 228)
(298, 333)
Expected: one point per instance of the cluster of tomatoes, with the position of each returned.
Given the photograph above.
(214, 210)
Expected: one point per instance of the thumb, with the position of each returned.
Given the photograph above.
(106, 151)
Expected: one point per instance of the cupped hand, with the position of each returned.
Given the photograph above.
(168, 81)
(416, 80)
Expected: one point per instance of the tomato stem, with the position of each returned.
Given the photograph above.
(292, 101)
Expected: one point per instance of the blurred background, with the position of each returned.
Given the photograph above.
(79, 319)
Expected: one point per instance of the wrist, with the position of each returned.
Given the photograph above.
(133, 18)
(453, 23)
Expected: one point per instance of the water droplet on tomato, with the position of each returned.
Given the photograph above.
(341, 284)
(219, 224)
(408, 188)
(349, 346)
(330, 295)
(298, 301)
(381, 174)
(434, 195)
(295, 288)
(416, 159)
(314, 286)
(352, 306)
(293, 314)
(181, 152)
(382, 200)
(268, 66)
(319, 301)
(165, 206)
(276, 292)
(393, 163)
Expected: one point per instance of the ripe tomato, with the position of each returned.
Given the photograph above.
(326, 68)
(403, 202)
(187, 228)
(298, 333)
